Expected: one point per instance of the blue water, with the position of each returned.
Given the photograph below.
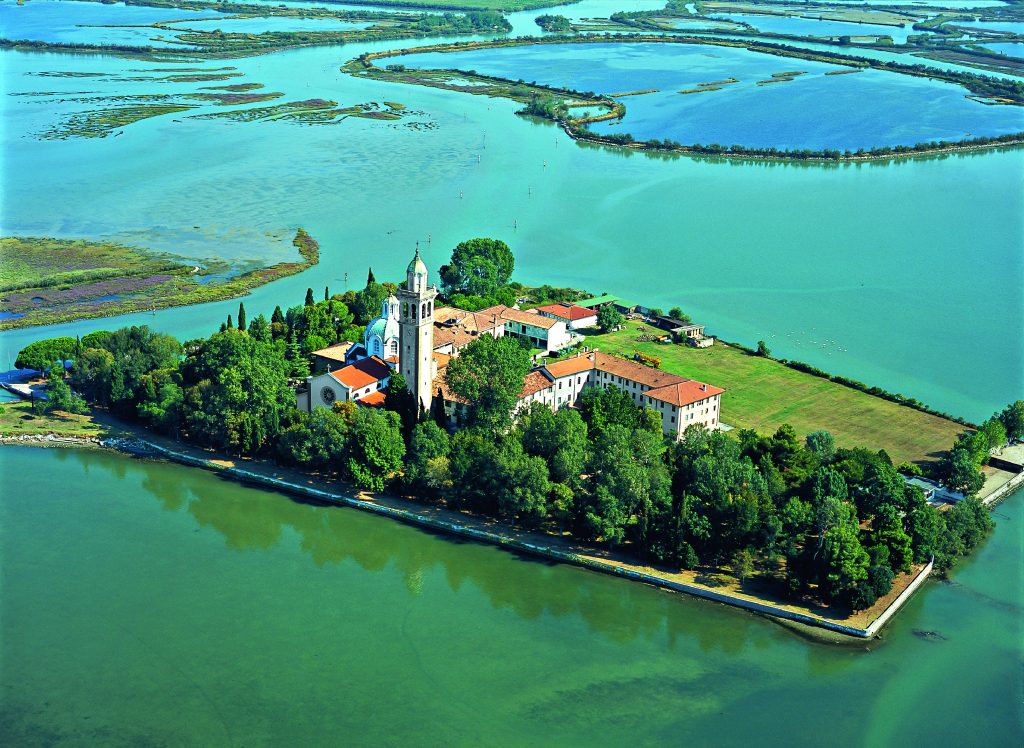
(1013, 27)
(272, 23)
(1012, 49)
(860, 110)
(82, 22)
(813, 27)
(870, 255)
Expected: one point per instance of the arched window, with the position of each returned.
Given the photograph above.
(394, 347)
(405, 309)
(423, 311)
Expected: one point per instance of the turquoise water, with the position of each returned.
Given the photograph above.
(1012, 49)
(813, 27)
(82, 22)
(266, 24)
(889, 261)
(1016, 27)
(877, 108)
(158, 604)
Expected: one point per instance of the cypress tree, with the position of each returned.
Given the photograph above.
(229, 324)
(327, 293)
(309, 297)
(369, 278)
(278, 315)
(241, 316)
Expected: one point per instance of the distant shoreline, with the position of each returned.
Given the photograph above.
(363, 66)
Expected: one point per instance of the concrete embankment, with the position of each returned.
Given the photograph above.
(511, 538)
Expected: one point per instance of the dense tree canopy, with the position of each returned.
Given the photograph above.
(488, 375)
(479, 267)
(236, 393)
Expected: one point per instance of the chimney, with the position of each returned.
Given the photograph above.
(703, 388)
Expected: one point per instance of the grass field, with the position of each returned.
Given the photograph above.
(762, 394)
(17, 419)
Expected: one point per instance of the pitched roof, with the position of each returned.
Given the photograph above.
(441, 359)
(684, 393)
(570, 366)
(518, 315)
(623, 367)
(336, 352)
(449, 316)
(567, 311)
(374, 400)
(361, 373)
(535, 382)
(454, 336)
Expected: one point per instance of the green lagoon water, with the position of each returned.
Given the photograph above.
(867, 270)
(147, 603)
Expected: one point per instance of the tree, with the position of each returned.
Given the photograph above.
(59, 394)
(560, 439)
(309, 298)
(822, 444)
(370, 279)
(887, 530)
(743, 564)
(368, 302)
(398, 399)
(609, 318)
(523, 484)
(678, 314)
(259, 329)
(1013, 419)
(236, 393)
(428, 443)
(630, 487)
(376, 448)
(995, 433)
(602, 407)
(845, 564)
(961, 472)
(488, 375)
(763, 350)
(478, 267)
(241, 316)
(318, 440)
(42, 353)
(117, 380)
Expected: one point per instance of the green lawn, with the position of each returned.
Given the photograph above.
(17, 419)
(763, 394)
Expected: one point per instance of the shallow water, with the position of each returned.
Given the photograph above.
(156, 603)
(814, 110)
(812, 27)
(866, 270)
(84, 22)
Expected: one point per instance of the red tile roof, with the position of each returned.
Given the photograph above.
(363, 372)
(373, 400)
(569, 366)
(518, 315)
(535, 382)
(684, 393)
(565, 310)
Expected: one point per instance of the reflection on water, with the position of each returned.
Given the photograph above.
(153, 603)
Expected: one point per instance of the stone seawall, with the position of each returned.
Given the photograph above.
(534, 549)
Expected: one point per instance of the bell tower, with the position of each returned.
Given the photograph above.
(416, 330)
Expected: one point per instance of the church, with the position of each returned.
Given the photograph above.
(414, 338)
(401, 338)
